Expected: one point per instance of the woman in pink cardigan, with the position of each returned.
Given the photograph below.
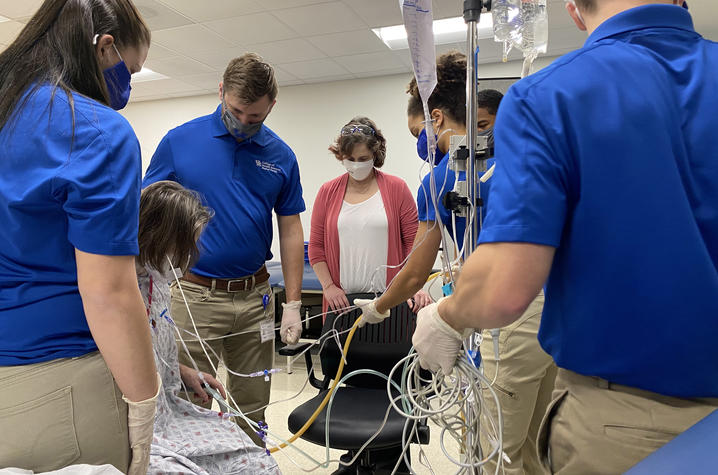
(363, 222)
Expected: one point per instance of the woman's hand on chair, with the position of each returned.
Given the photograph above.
(192, 380)
(336, 298)
(420, 300)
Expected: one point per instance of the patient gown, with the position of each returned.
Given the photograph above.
(189, 439)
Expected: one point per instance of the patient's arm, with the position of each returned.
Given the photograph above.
(191, 379)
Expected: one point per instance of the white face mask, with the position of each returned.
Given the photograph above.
(359, 170)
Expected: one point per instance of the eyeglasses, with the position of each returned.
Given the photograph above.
(357, 128)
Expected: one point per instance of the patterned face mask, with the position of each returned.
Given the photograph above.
(235, 127)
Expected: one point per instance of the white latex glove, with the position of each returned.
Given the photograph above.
(291, 328)
(141, 424)
(437, 344)
(369, 312)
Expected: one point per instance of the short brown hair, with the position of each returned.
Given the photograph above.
(171, 217)
(375, 142)
(250, 78)
(586, 5)
(450, 93)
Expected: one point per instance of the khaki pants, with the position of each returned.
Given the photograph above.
(594, 427)
(524, 386)
(218, 313)
(62, 412)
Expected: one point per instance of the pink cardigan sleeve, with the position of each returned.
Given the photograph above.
(317, 251)
(408, 219)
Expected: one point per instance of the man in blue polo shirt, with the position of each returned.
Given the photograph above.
(243, 171)
(606, 190)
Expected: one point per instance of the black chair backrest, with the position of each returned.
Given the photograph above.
(378, 347)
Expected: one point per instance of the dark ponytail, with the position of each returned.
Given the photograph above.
(56, 48)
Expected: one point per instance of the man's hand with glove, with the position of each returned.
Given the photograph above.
(369, 312)
(141, 424)
(291, 328)
(437, 344)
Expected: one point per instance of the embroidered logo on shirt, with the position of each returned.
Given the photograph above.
(266, 166)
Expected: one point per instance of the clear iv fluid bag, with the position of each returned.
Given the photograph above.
(534, 32)
(507, 23)
(534, 27)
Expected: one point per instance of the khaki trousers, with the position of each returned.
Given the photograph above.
(62, 412)
(524, 386)
(219, 313)
(594, 427)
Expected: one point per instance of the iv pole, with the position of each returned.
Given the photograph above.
(472, 13)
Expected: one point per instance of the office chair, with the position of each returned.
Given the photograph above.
(360, 406)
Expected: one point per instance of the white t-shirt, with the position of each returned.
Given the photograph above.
(363, 245)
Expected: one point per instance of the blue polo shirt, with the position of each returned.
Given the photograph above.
(242, 181)
(444, 179)
(611, 156)
(60, 190)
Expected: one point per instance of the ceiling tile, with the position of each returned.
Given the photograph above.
(190, 39)
(281, 4)
(447, 8)
(17, 9)
(296, 82)
(361, 63)
(321, 19)
(287, 51)
(159, 52)
(214, 9)
(283, 76)
(178, 66)
(386, 72)
(9, 31)
(251, 29)
(219, 58)
(206, 81)
(342, 77)
(376, 13)
(164, 86)
(158, 16)
(350, 42)
(315, 69)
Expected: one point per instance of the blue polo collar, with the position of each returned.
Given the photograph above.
(646, 16)
(261, 138)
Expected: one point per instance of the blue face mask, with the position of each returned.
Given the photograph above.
(118, 79)
(422, 147)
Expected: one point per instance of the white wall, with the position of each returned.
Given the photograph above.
(308, 118)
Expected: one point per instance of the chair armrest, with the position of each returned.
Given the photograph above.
(298, 348)
(294, 350)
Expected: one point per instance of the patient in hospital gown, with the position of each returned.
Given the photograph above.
(187, 438)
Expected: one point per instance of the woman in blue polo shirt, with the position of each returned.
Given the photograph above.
(69, 198)
(526, 373)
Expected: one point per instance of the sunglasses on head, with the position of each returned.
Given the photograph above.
(357, 129)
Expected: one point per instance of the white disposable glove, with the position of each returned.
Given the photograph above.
(369, 311)
(141, 424)
(291, 328)
(436, 343)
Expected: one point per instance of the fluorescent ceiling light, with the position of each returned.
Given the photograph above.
(448, 30)
(3, 19)
(147, 74)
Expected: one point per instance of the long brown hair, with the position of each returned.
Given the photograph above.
(56, 48)
(171, 219)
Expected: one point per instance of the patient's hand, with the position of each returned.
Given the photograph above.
(420, 300)
(191, 379)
